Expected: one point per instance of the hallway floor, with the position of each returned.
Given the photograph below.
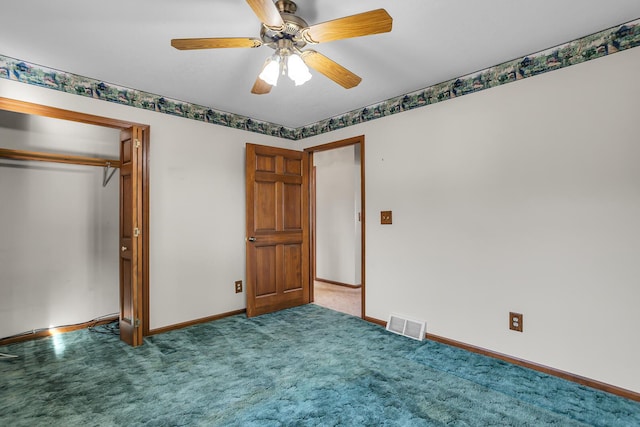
(339, 298)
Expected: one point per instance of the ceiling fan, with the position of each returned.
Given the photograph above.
(288, 34)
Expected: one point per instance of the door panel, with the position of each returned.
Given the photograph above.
(131, 210)
(126, 310)
(277, 229)
(293, 167)
(266, 275)
(292, 270)
(292, 207)
(265, 206)
(265, 163)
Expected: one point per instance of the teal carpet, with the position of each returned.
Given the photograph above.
(306, 366)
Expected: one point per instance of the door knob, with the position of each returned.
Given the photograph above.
(252, 239)
(124, 248)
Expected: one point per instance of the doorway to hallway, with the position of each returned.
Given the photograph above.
(338, 221)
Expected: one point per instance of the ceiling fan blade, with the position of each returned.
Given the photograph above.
(215, 43)
(363, 24)
(260, 87)
(267, 12)
(330, 69)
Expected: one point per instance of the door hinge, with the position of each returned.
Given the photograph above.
(136, 232)
(135, 322)
(137, 143)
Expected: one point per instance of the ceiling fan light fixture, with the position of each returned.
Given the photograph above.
(271, 71)
(297, 70)
(288, 34)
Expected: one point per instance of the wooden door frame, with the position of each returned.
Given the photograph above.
(312, 209)
(24, 107)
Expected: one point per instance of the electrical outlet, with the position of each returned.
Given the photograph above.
(238, 286)
(515, 321)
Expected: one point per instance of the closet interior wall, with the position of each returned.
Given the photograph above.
(58, 226)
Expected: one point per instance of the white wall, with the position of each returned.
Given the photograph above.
(197, 205)
(520, 198)
(525, 198)
(337, 226)
(58, 227)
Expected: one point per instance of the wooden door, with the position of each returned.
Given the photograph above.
(130, 235)
(277, 246)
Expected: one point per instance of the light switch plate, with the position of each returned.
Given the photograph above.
(386, 217)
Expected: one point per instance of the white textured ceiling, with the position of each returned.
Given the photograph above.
(126, 43)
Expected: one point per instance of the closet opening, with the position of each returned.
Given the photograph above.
(75, 219)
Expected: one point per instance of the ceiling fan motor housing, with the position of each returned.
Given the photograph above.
(290, 32)
(286, 6)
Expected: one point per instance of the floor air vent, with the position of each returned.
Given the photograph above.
(411, 328)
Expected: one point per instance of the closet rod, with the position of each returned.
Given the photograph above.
(57, 158)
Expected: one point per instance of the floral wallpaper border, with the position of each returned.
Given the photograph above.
(594, 46)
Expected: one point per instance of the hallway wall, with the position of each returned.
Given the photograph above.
(337, 227)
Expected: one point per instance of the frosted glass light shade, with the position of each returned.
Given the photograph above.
(297, 70)
(271, 71)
